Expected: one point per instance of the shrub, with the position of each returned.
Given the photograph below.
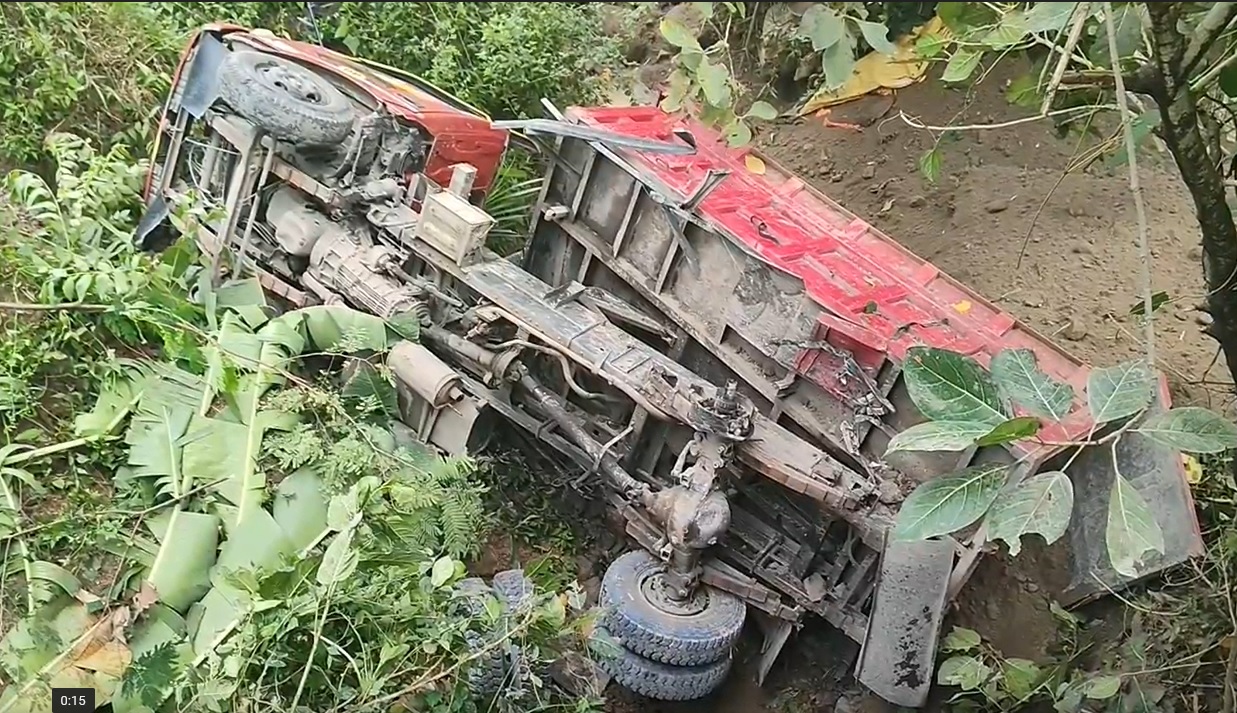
(98, 69)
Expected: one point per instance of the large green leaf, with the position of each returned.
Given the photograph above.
(180, 572)
(170, 387)
(1008, 32)
(950, 387)
(246, 298)
(876, 35)
(1119, 391)
(961, 65)
(715, 81)
(236, 345)
(299, 508)
(1191, 429)
(255, 543)
(823, 27)
(155, 449)
(949, 503)
(1019, 379)
(838, 63)
(339, 561)
(966, 672)
(1132, 531)
(938, 436)
(677, 34)
(1048, 16)
(114, 404)
(224, 454)
(1039, 505)
(335, 328)
(215, 616)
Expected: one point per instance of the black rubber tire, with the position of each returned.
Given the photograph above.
(680, 640)
(245, 85)
(488, 671)
(513, 588)
(663, 682)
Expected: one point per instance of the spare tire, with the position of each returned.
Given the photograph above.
(287, 100)
(488, 669)
(639, 610)
(513, 588)
(663, 682)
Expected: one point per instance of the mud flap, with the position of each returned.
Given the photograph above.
(1157, 472)
(453, 428)
(899, 650)
(154, 231)
(201, 80)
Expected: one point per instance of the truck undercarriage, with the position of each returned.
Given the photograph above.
(718, 349)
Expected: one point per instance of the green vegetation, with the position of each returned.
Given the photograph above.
(224, 525)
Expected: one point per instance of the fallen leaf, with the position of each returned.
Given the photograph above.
(86, 597)
(963, 307)
(875, 71)
(111, 658)
(754, 164)
(145, 598)
(1193, 469)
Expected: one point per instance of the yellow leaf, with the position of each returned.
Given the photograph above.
(1193, 469)
(874, 71)
(754, 164)
(111, 658)
(963, 307)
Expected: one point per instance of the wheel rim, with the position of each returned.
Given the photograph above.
(298, 85)
(656, 592)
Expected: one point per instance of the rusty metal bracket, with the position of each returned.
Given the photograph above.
(554, 127)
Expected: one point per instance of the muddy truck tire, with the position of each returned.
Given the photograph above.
(664, 682)
(487, 672)
(699, 631)
(285, 99)
(513, 588)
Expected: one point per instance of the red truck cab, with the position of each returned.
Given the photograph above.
(457, 132)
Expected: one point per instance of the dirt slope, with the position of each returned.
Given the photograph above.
(1080, 272)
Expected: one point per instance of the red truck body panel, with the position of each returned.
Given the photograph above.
(459, 134)
(884, 298)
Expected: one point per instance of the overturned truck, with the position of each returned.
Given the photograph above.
(717, 348)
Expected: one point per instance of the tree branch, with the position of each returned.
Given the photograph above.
(1075, 33)
(1218, 18)
(67, 307)
(1141, 80)
(1067, 111)
(1140, 210)
(1179, 126)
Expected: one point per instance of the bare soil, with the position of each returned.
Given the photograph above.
(1002, 191)
(1003, 188)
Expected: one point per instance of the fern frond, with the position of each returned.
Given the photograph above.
(461, 516)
